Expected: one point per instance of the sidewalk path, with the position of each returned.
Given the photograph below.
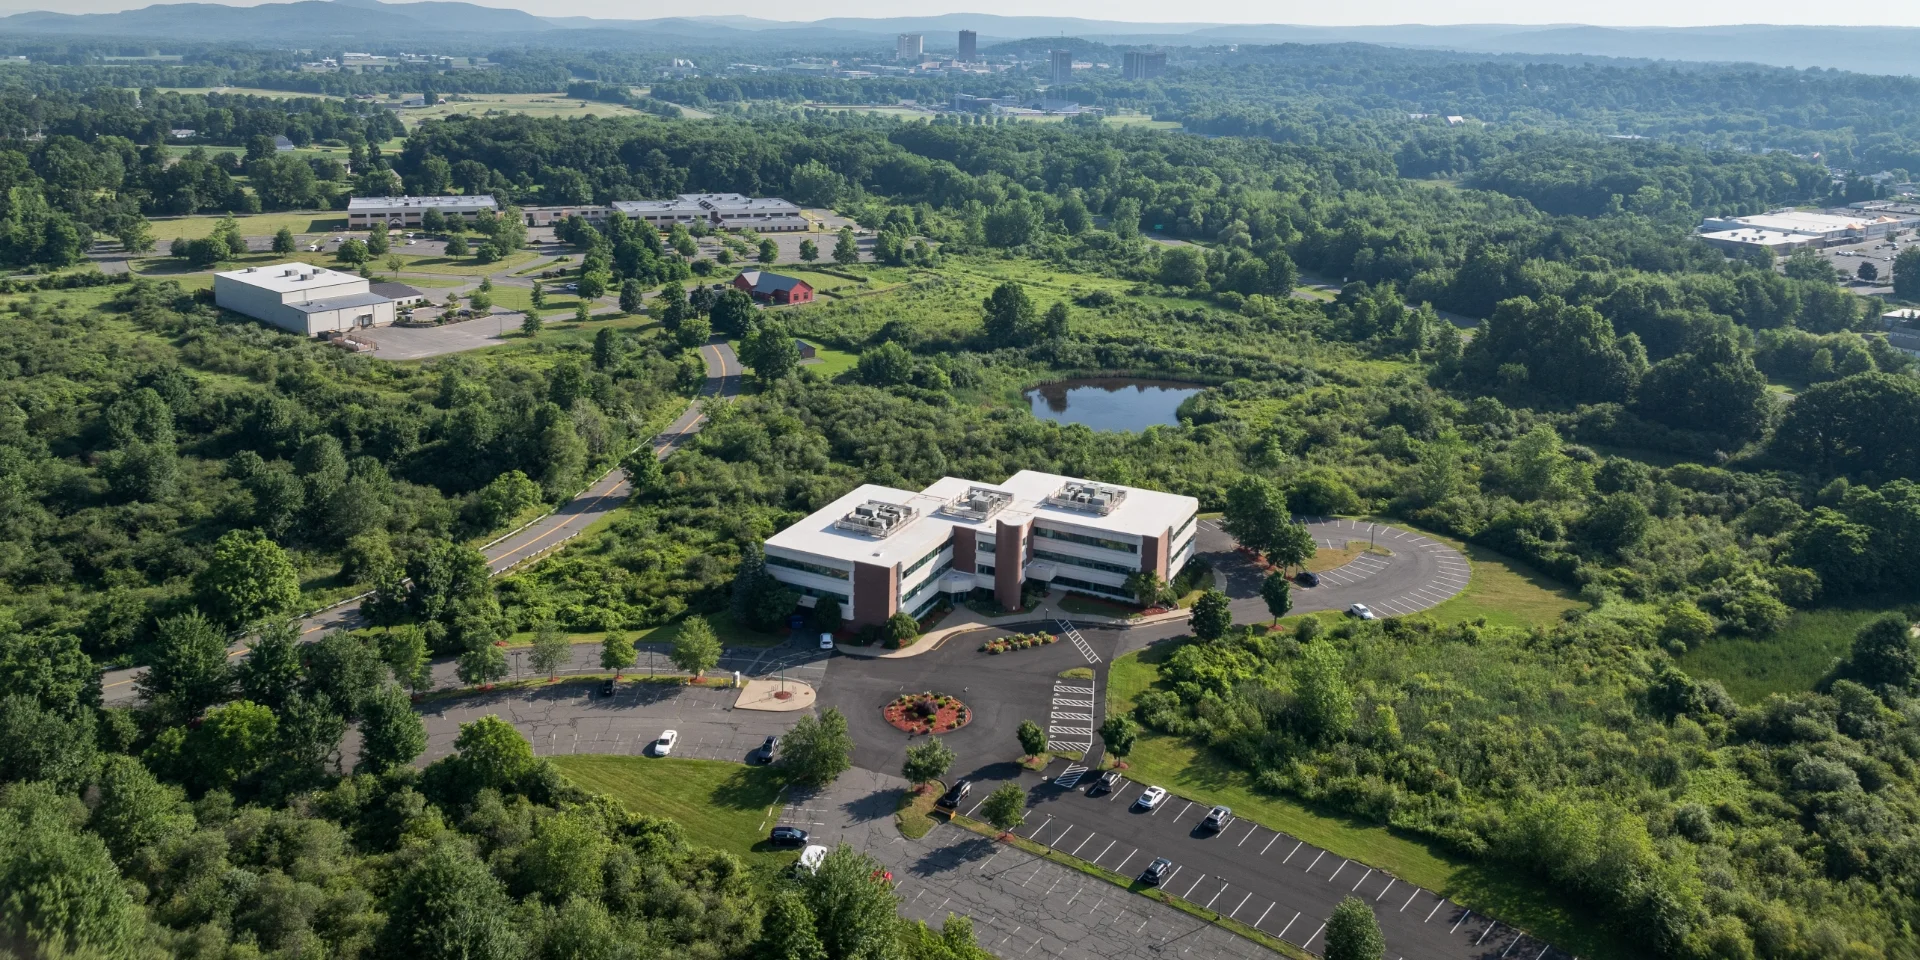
(601, 498)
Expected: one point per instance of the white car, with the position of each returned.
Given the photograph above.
(826, 641)
(1150, 798)
(412, 242)
(1362, 611)
(664, 746)
(810, 858)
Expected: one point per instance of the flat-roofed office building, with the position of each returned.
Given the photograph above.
(880, 550)
(364, 212)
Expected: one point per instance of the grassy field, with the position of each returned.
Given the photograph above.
(1790, 661)
(257, 225)
(530, 104)
(1193, 772)
(1503, 590)
(521, 298)
(832, 362)
(728, 806)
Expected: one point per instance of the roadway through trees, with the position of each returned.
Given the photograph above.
(599, 499)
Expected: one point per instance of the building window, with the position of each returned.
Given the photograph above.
(984, 569)
(1099, 588)
(1101, 542)
(1177, 534)
(983, 546)
(805, 567)
(818, 594)
(1083, 562)
(923, 561)
(931, 579)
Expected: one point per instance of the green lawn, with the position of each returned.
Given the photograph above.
(728, 806)
(1505, 591)
(521, 298)
(464, 266)
(832, 362)
(731, 634)
(257, 225)
(1790, 661)
(1191, 771)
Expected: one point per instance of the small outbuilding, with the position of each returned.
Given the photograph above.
(773, 287)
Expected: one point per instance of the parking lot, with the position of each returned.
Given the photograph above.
(1273, 882)
(1022, 906)
(575, 718)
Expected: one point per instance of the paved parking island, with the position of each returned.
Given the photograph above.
(575, 718)
(1273, 882)
(1415, 573)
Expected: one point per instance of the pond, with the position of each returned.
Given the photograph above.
(1111, 403)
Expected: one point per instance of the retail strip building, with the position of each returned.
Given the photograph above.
(879, 550)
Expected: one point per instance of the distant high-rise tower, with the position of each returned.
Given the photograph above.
(969, 45)
(1143, 66)
(908, 46)
(1062, 63)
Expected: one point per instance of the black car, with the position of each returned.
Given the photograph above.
(1307, 578)
(787, 837)
(951, 799)
(606, 687)
(766, 750)
(1106, 783)
(1156, 872)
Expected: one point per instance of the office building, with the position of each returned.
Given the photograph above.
(303, 298)
(1060, 67)
(880, 550)
(722, 211)
(908, 46)
(364, 212)
(1140, 65)
(969, 46)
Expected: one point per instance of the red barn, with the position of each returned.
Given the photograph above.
(774, 288)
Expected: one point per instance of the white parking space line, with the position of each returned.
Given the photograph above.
(1316, 935)
(1316, 861)
(1410, 897)
(1243, 840)
(1436, 909)
(1289, 926)
(1170, 876)
(1383, 890)
(1036, 830)
(1290, 853)
(1363, 879)
(1076, 850)
(1243, 902)
(1103, 852)
(1183, 810)
(1483, 933)
(1063, 835)
(1123, 863)
(1263, 915)
(1463, 919)
(1514, 943)
(1191, 886)
(1336, 870)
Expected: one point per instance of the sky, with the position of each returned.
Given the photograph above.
(1350, 12)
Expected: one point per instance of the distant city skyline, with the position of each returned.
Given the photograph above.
(1619, 13)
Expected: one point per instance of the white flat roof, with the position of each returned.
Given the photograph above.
(1141, 513)
(1756, 235)
(290, 277)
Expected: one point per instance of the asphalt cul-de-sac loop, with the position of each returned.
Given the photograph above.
(1270, 881)
(1417, 572)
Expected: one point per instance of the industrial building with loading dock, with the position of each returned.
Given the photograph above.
(303, 298)
(879, 550)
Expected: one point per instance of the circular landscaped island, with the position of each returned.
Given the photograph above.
(927, 713)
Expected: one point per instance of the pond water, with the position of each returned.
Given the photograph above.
(1111, 403)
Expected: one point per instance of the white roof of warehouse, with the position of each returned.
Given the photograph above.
(290, 277)
(1141, 513)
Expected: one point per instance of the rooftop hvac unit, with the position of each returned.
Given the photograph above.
(1097, 498)
(876, 518)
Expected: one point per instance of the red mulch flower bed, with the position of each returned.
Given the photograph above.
(927, 713)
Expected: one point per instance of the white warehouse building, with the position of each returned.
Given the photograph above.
(303, 298)
(879, 550)
(364, 212)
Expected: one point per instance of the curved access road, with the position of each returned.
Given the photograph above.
(601, 498)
